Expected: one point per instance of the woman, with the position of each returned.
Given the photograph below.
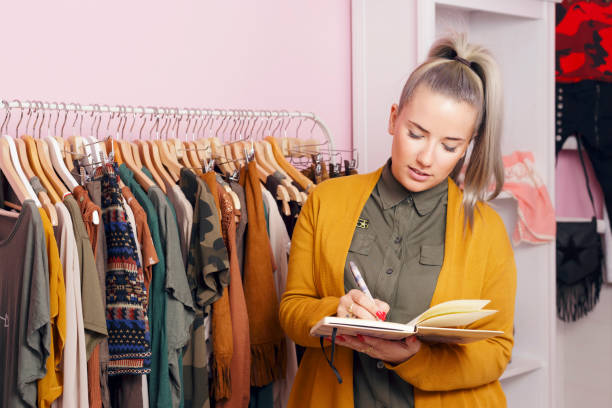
(418, 241)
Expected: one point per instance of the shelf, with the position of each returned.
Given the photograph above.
(521, 365)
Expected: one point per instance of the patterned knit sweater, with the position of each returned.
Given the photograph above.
(126, 295)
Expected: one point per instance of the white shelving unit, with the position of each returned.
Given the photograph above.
(389, 39)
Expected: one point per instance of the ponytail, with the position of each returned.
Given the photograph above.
(468, 73)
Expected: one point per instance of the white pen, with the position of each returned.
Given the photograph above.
(362, 285)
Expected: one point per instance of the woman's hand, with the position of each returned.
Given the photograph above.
(357, 304)
(390, 351)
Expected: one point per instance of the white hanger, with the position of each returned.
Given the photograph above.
(62, 170)
(59, 165)
(19, 170)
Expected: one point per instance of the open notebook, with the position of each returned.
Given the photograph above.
(438, 324)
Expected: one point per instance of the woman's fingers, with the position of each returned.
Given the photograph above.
(366, 304)
(357, 304)
(383, 308)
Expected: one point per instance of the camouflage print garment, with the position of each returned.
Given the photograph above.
(583, 41)
(208, 274)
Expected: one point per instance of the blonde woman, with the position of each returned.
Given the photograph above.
(418, 240)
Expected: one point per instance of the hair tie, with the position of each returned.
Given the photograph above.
(463, 61)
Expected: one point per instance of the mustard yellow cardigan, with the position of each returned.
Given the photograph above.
(478, 264)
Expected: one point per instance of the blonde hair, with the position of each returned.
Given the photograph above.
(468, 73)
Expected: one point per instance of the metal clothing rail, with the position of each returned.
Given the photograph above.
(160, 110)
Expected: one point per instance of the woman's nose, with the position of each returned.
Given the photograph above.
(425, 156)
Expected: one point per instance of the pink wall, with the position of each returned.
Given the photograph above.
(266, 54)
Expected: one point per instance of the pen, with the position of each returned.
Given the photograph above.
(363, 287)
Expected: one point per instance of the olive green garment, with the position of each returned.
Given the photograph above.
(94, 312)
(398, 245)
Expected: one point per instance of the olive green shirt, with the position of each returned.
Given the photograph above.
(398, 245)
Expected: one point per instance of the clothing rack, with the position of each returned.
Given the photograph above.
(161, 110)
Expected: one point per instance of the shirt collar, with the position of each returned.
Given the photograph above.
(393, 193)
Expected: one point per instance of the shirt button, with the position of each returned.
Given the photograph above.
(389, 271)
(380, 365)
(398, 240)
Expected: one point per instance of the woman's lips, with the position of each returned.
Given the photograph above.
(418, 175)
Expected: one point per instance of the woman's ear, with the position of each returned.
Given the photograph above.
(393, 118)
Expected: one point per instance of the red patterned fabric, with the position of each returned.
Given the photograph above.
(584, 41)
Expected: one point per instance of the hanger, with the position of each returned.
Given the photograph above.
(43, 196)
(130, 159)
(42, 149)
(59, 137)
(11, 175)
(111, 143)
(58, 161)
(6, 165)
(123, 147)
(34, 161)
(134, 146)
(156, 158)
(145, 155)
(202, 145)
(87, 143)
(269, 155)
(189, 157)
(76, 142)
(173, 144)
(172, 166)
(183, 146)
(218, 152)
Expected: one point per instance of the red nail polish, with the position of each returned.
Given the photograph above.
(381, 315)
(361, 338)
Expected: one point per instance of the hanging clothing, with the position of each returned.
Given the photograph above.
(582, 110)
(94, 188)
(272, 183)
(75, 373)
(25, 322)
(583, 41)
(208, 274)
(184, 217)
(126, 298)
(268, 353)
(536, 222)
(298, 177)
(93, 312)
(159, 378)
(222, 343)
(88, 209)
(179, 305)
(240, 366)
(280, 242)
(143, 235)
(50, 386)
(242, 224)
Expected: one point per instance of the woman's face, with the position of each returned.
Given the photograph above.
(430, 135)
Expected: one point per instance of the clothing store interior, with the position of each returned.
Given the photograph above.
(185, 186)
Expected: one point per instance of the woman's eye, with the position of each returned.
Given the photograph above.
(414, 135)
(449, 148)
